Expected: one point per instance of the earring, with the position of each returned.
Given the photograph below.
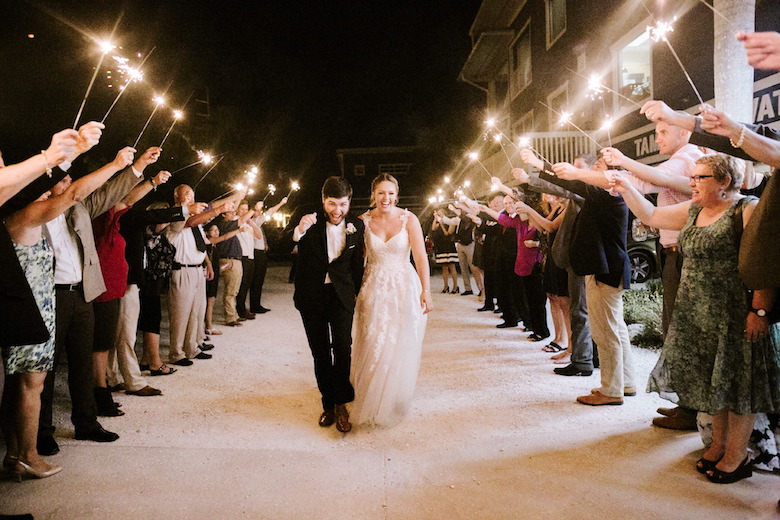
(723, 194)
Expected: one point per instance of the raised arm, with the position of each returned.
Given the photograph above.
(42, 211)
(538, 220)
(757, 146)
(142, 189)
(669, 217)
(274, 209)
(420, 256)
(651, 174)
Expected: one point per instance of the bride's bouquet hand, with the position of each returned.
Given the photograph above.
(426, 302)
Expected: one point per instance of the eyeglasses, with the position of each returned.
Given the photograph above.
(697, 178)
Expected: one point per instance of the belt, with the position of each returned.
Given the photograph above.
(671, 249)
(176, 265)
(68, 286)
(231, 257)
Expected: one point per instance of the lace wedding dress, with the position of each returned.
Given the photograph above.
(389, 330)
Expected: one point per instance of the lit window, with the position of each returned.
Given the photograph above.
(634, 67)
(521, 60)
(555, 12)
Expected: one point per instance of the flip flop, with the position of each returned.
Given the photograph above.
(553, 347)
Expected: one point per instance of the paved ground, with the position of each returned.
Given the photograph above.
(493, 435)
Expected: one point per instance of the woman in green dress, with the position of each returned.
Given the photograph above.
(720, 354)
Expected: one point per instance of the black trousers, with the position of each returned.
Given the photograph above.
(491, 288)
(329, 331)
(537, 304)
(74, 337)
(258, 279)
(247, 264)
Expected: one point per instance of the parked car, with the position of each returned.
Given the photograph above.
(642, 251)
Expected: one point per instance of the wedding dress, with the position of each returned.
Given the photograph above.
(389, 330)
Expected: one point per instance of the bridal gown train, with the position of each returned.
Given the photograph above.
(389, 330)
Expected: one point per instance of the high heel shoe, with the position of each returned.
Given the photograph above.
(744, 470)
(456, 290)
(445, 290)
(22, 471)
(703, 465)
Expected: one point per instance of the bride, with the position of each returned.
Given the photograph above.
(390, 313)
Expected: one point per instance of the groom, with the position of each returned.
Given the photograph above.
(330, 271)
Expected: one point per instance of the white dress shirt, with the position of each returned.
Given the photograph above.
(68, 266)
(337, 241)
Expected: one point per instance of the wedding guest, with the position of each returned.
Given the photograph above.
(445, 253)
(212, 286)
(231, 266)
(463, 236)
(78, 281)
(187, 293)
(110, 247)
(261, 255)
(491, 250)
(247, 239)
(27, 366)
(720, 352)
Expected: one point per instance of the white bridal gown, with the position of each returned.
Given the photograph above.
(389, 330)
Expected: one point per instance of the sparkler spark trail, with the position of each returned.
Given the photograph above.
(474, 156)
(499, 139)
(660, 33)
(566, 119)
(209, 171)
(271, 191)
(177, 114)
(134, 75)
(203, 158)
(105, 47)
(595, 85)
(158, 102)
(607, 125)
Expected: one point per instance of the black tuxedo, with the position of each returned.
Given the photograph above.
(327, 309)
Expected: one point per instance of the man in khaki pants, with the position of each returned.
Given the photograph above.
(230, 266)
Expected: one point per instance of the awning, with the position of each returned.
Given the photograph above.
(488, 58)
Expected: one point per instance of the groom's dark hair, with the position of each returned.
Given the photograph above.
(336, 188)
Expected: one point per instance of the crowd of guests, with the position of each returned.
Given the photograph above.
(720, 271)
(88, 264)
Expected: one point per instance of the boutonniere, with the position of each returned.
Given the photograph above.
(351, 228)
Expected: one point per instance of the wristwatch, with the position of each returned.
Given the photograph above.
(761, 313)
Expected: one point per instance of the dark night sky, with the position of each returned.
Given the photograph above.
(289, 82)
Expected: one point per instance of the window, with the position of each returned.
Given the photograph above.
(558, 102)
(521, 60)
(524, 125)
(555, 13)
(634, 67)
(360, 170)
(394, 169)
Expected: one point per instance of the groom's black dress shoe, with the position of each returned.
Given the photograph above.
(327, 418)
(342, 418)
(97, 435)
(506, 325)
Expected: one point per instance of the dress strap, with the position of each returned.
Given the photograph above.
(404, 217)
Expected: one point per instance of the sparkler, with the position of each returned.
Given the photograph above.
(565, 118)
(467, 185)
(105, 48)
(660, 33)
(271, 191)
(474, 156)
(525, 143)
(209, 171)
(203, 158)
(177, 114)
(607, 125)
(499, 138)
(158, 102)
(596, 87)
(133, 75)
(294, 186)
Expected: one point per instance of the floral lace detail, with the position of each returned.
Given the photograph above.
(389, 330)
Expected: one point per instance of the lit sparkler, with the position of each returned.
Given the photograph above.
(499, 138)
(177, 114)
(474, 156)
(271, 191)
(597, 87)
(607, 125)
(105, 48)
(203, 158)
(158, 102)
(134, 75)
(660, 32)
(294, 186)
(209, 171)
(524, 142)
(565, 118)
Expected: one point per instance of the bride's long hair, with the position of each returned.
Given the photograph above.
(383, 177)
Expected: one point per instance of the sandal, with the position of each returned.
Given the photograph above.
(703, 465)
(552, 347)
(164, 370)
(744, 470)
(214, 332)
